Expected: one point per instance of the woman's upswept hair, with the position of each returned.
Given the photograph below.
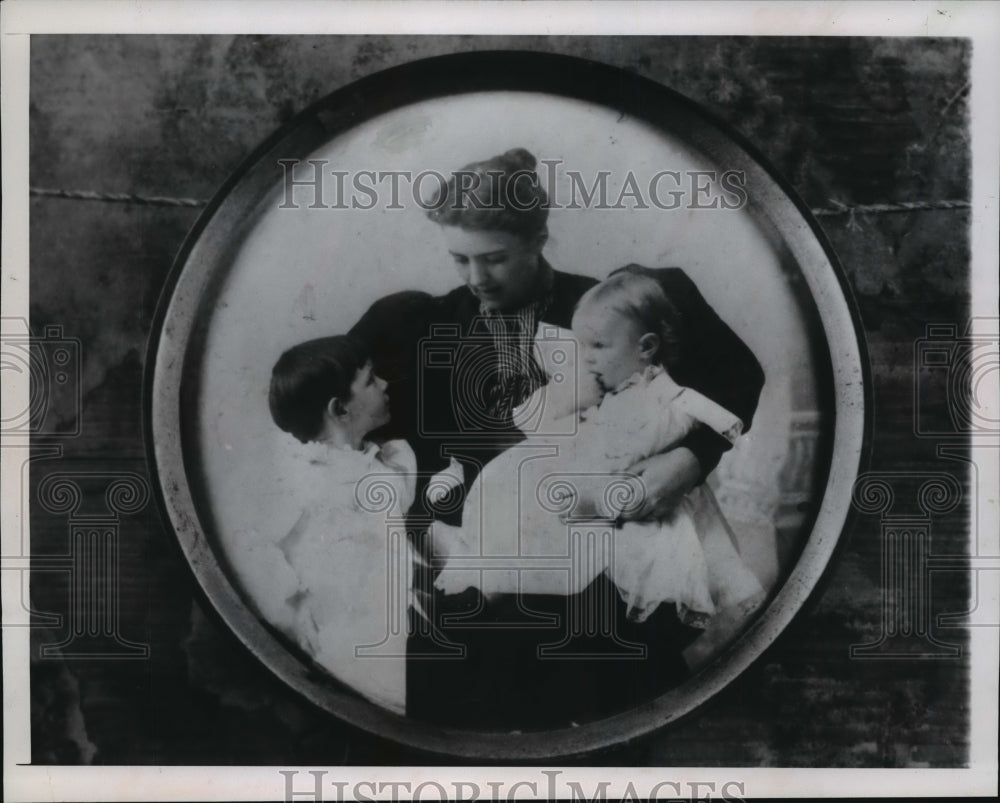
(639, 297)
(307, 376)
(498, 194)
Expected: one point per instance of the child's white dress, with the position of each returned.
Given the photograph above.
(521, 513)
(344, 580)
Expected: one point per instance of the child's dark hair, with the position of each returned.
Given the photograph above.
(635, 294)
(498, 194)
(307, 376)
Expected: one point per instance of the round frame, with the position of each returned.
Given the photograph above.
(172, 385)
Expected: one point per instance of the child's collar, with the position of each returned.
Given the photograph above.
(645, 376)
(366, 448)
(318, 450)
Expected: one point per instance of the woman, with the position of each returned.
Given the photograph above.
(458, 365)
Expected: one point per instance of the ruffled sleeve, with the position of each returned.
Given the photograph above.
(714, 415)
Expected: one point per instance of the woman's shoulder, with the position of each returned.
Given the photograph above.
(672, 279)
(394, 319)
(404, 300)
(571, 283)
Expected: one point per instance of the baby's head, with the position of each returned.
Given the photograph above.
(324, 385)
(625, 324)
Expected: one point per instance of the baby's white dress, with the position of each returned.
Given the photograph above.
(341, 582)
(545, 513)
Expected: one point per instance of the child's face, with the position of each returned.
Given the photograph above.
(369, 403)
(609, 345)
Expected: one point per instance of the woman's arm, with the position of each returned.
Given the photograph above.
(666, 478)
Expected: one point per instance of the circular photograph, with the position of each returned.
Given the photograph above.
(506, 405)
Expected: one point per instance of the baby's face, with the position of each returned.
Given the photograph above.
(609, 345)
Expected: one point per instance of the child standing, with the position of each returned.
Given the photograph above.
(325, 393)
(627, 408)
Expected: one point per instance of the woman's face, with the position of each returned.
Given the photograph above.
(500, 268)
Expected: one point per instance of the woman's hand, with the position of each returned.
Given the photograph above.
(667, 479)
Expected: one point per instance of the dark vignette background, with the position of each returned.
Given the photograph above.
(846, 120)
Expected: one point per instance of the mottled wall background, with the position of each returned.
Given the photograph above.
(847, 121)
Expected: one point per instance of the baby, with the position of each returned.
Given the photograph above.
(325, 394)
(627, 408)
